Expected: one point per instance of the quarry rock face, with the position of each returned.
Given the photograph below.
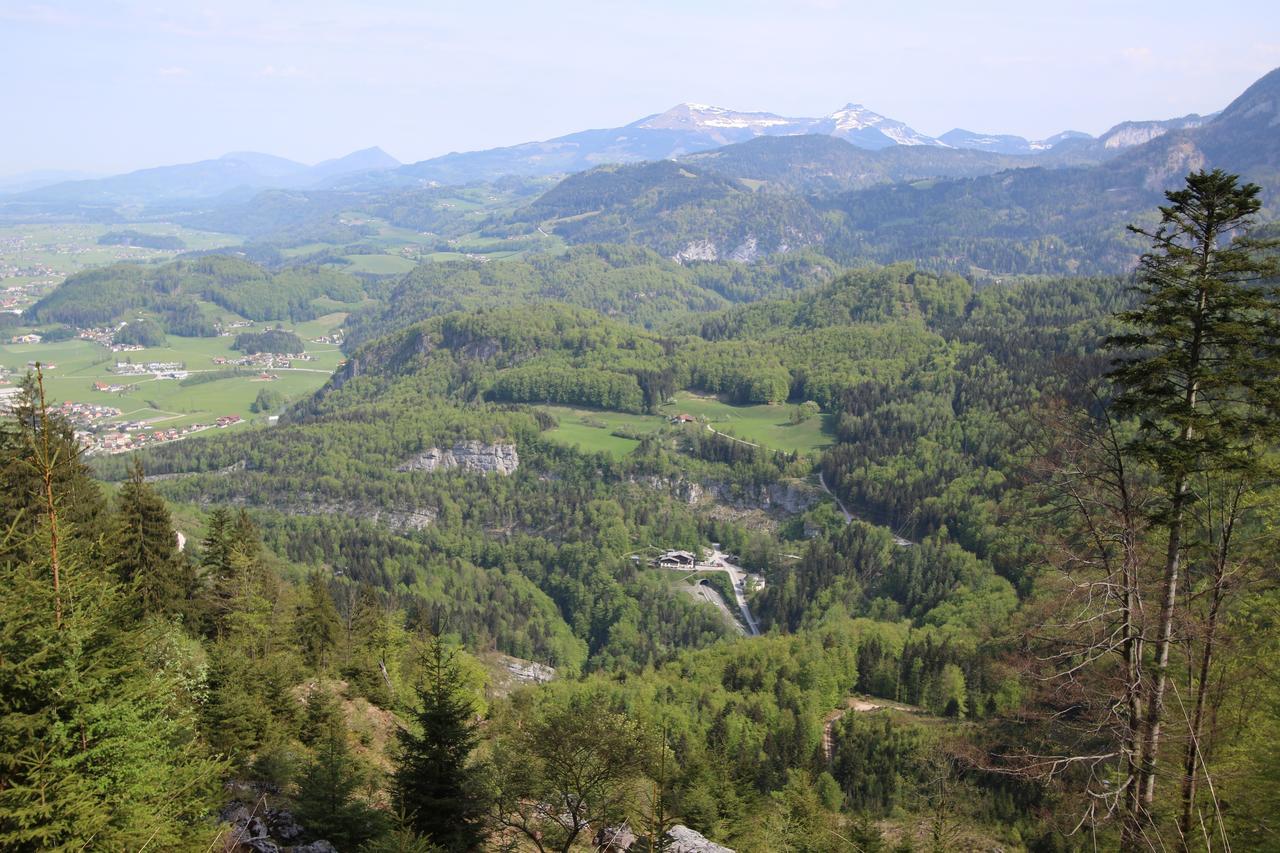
(468, 455)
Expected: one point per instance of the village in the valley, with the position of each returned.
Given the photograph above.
(102, 428)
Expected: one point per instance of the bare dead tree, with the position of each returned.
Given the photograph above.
(1088, 629)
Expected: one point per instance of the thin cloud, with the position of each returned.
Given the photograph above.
(173, 71)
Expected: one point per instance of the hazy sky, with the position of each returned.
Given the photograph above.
(112, 85)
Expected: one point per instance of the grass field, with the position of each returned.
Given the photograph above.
(70, 247)
(770, 426)
(78, 364)
(591, 430)
(380, 264)
(760, 424)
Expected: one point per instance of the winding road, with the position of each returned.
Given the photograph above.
(848, 516)
(718, 562)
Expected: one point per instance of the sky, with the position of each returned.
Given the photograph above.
(111, 85)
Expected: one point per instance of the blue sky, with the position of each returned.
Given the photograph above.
(112, 85)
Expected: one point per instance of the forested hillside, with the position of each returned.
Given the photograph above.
(624, 282)
(171, 293)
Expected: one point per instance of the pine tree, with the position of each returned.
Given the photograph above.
(97, 746)
(327, 805)
(143, 548)
(1198, 369)
(435, 783)
(216, 547)
(30, 429)
(319, 628)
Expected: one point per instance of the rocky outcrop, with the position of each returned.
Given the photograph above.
(682, 839)
(529, 672)
(468, 455)
(403, 520)
(264, 830)
(697, 250)
(747, 252)
(678, 487)
(785, 496)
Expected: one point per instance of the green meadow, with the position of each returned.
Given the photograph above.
(762, 424)
(68, 248)
(591, 430)
(770, 426)
(71, 368)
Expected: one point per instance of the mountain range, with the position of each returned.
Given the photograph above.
(683, 130)
(778, 194)
(238, 171)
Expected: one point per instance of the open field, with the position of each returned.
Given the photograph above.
(591, 430)
(760, 424)
(78, 364)
(380, 264)
(66, 248)
(770, 426)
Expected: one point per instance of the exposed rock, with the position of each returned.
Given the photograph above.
(793, 496)
(682, 839)
(678, 487)
(1180, 158)
(283, 825)
(309, 503)
(697, 250)
(249, 833)
(785, 496)
(468, 455)
(315, 847)
(615, 839)
(529, 672)
(747, 252)
(230, 469)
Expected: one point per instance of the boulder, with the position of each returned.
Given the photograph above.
(615, 839)
(682, 839)
(321, 846)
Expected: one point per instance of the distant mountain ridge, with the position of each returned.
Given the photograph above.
(206, 179)
(777, 194)
(683, 130)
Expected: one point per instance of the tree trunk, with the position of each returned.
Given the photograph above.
(1193, 754)
(1169, 600)
(1130, 831)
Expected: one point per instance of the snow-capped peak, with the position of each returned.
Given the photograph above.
(865, 127)
(853, 123)
(690, 116)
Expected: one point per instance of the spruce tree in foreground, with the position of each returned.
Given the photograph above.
(97, 739)
(435, 784)
(144, 548)
(1199, 371)
(327, 805)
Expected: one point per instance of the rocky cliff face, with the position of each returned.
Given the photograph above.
(468, 455)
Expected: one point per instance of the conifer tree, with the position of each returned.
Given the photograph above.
(97, 744)
(319, 628)
(327, 805)
(28, 429)
(143, 548)
(1198, 369)
(435, 784)
(216, 546)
